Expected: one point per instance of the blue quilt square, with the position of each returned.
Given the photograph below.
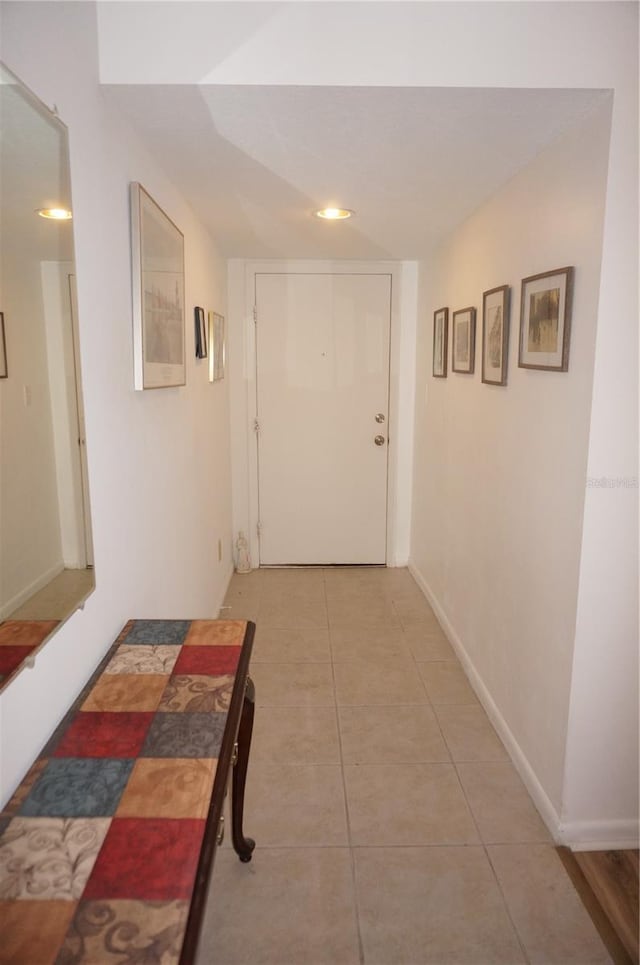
(157, 632)
(78, 787)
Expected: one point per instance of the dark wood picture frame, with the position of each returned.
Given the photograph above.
(440, 342)
(4, 368)
(495, 334)
(457, 350)
(201, 332)
(545, 320)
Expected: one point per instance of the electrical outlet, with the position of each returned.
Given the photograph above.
(219, 551)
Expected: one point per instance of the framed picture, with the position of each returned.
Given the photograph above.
(440, 342)
(4, 370)
(217, 343)
(495, 335)
(157, 253)
(463, 338)
(201, 333)
(545, 320)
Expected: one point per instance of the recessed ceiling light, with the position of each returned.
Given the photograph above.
(55, 214)
(334, 214)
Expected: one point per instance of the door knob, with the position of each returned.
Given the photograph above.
(379, 440)
(380, 417)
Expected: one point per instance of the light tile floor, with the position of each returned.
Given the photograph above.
(391, 826)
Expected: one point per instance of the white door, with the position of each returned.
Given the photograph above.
(322, 349)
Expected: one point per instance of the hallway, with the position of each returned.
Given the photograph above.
(390, 825)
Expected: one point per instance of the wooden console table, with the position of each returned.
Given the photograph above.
(107, 846)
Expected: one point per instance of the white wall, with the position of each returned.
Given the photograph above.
(500, 471)
(158, 461)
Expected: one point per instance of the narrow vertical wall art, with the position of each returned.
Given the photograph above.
(463, 339)
(157, 263)
(495, 335)
(216, 346)
(440, 342)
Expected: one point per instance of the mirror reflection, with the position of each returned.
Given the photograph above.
(46, 556)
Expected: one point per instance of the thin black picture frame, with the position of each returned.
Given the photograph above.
(4, 367)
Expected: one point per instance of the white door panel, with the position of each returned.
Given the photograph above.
(322, 377)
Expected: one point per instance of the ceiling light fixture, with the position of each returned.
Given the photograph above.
(55, 214)
(334, 214)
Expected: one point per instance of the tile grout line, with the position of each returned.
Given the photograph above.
(473, 818)
(506, 905)
(352, 860)
(475, 823)
(430, 703)
(356, 909)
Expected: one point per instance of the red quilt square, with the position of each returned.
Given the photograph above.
(207, 660)
(11, 657)
(102, 734)
(147, 859)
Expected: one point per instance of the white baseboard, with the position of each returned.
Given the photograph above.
(24, 595)
(601, 835)
(577, 835)
(547, 811)
(219, 610)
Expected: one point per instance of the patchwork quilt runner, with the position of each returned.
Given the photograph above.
(100, 844)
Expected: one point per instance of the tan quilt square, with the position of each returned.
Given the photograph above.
(126, 692)
(32, 931)
(164, 788)
(197, 693)
(116, 932)
(205, 633)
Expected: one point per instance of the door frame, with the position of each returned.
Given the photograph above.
(242, 369)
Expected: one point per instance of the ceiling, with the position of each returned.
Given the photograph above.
(413, 162)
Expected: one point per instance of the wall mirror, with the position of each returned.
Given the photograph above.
(46, 559)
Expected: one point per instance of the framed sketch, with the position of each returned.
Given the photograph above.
(545, 320)
(463, 340)
(157, 252)
(4, 370)
(495, 335)
(440, 342)
(217, 343)
(201, 333)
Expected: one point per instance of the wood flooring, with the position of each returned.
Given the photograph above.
(607, 882)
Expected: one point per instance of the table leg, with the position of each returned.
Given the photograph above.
(243, 846)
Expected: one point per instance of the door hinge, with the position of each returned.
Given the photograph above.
(259, 528)
(255, 314)
(256, 425)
